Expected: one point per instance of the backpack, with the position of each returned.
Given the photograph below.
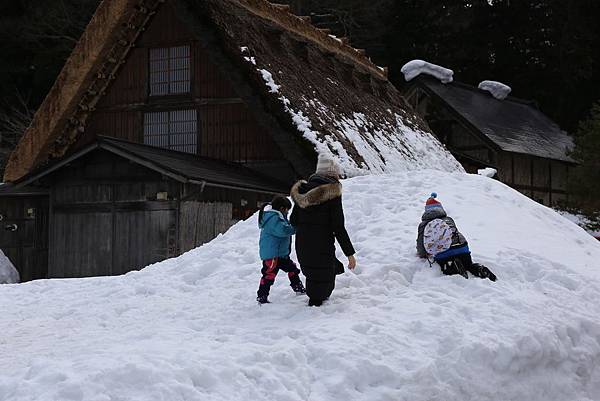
(437, 237)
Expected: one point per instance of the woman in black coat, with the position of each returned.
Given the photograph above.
(319, 220)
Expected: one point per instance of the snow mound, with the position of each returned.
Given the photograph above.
(8, 273)
(414, 68)
(189, 329)
(499, 90)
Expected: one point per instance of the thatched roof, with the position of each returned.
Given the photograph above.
(321, 91)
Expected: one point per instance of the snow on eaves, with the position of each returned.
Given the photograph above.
(414, 68)
(499, 90)
(384, 146)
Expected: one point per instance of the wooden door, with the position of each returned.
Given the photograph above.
(24, 234)
(142, 238)
(111, 239)
(80, 243)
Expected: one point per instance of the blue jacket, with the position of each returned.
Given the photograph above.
(275, 235)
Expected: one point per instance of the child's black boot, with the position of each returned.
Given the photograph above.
(262, 299)
(298, 288)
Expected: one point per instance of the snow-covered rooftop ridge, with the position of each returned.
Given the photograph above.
(414, 68)
(189, 328)
(499, 90)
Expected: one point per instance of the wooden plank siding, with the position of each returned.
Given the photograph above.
(228, 132)
(226, 128)
(27, 246)
(107, 218)
(80, 244)
(200, 222)
(544, 180)
(143, 237)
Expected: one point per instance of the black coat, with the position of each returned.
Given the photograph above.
(318, 217)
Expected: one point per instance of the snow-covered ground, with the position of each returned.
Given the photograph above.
(189, 328)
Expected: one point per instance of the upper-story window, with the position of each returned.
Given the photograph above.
(175, 130)
(170, 70)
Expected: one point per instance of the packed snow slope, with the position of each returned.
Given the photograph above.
(396, 329)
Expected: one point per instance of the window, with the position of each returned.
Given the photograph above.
(175, 130)
(169, 70)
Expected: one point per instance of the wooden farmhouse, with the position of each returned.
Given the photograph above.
(172, 119)
(529, 150)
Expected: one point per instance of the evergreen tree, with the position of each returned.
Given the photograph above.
(585, 178)
(545, 49)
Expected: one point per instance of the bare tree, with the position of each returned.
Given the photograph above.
(61, 21)
(15, 118)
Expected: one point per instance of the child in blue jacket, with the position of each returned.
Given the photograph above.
(275, 247)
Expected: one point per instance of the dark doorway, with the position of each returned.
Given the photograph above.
(24, 233)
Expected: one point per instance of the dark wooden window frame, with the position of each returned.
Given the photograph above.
(169, 134)
(168, 71)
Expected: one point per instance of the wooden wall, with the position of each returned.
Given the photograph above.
(544, 180)
(105, 218)
(27, 246)
(226, 128)
(243, 203)
(200, 222)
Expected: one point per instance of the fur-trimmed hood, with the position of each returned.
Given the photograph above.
(316, 195)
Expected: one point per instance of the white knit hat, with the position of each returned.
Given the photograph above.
(326, 165)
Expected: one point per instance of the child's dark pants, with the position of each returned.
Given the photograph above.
(460, 264)
(270, 269)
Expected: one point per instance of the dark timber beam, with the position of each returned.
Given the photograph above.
(160, 104)
(471, 147)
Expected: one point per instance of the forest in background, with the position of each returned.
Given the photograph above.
(546, 50)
